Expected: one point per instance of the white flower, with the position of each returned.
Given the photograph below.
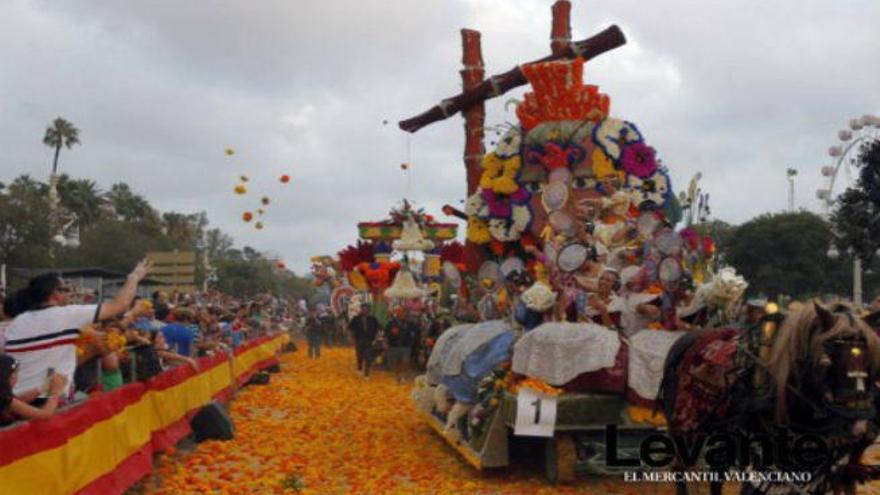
(509, 230)
(614, 132)
(655, 188)
(509, 145)
(476, 206)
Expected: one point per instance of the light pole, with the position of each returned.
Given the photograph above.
(860, 129)
(791, 173)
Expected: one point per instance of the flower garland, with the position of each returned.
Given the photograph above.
(537, 385)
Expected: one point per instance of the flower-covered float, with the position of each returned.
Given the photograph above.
(401, 260)
(584, 282)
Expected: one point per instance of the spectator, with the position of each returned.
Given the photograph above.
(364, 328)
(157, 339)
(314, 333)
(44, 331)
(14, 407)
(180, 334)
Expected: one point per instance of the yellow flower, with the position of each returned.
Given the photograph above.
(478, 231)
(492, 168)
(505, 184)
(602, 165)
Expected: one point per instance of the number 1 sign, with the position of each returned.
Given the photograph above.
(535, 414)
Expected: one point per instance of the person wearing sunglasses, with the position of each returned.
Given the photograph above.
(14, 407)
(46, 326)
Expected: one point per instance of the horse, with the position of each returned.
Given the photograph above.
(815, 376)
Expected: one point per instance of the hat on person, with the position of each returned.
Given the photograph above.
(757, 302)
(539, 297)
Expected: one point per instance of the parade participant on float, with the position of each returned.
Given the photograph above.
(640, 309)
(535, 306)
(604, 306)
(364, 329)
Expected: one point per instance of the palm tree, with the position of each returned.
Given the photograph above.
(60, 133)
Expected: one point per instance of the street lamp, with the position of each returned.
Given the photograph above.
(860, 129)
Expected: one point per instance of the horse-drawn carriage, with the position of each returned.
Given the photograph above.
(565, 385)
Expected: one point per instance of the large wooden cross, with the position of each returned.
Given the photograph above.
(476, 90)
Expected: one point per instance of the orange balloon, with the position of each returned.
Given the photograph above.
(285, 179)
(247, 216)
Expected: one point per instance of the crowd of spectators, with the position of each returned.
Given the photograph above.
(55, 349)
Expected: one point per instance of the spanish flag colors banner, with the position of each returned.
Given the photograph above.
(106, 444)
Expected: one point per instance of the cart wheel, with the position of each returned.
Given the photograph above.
(560, 457)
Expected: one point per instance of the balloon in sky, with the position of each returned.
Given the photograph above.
(265, 200)
(244, 178)
(285, 179)
(240, 189)
(260, 211)
(258, 225)
(247, 216)
(230, 151)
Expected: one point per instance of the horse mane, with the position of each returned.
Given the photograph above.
(801, 337)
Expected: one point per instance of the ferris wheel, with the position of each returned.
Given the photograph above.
(844, 155)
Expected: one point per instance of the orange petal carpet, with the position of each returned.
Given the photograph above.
(319, 428)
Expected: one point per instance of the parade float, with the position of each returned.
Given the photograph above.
(571, 233)
(403, 259)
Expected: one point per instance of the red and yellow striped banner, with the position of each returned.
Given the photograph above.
(106, 444)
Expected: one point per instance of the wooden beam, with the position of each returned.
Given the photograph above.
(589, 48)
(560, 32)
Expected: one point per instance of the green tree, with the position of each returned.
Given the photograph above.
(83, 198)
(130, 207)
(856, 215)
(24, 232)
(60, 133)
(786, 253)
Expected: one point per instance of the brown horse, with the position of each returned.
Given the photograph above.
(816, 380)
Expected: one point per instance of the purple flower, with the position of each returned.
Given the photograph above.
(500, 206)
(638, 159)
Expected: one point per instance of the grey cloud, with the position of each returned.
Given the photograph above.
(737, 90)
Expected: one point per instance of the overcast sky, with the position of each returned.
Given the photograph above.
(739, 90)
